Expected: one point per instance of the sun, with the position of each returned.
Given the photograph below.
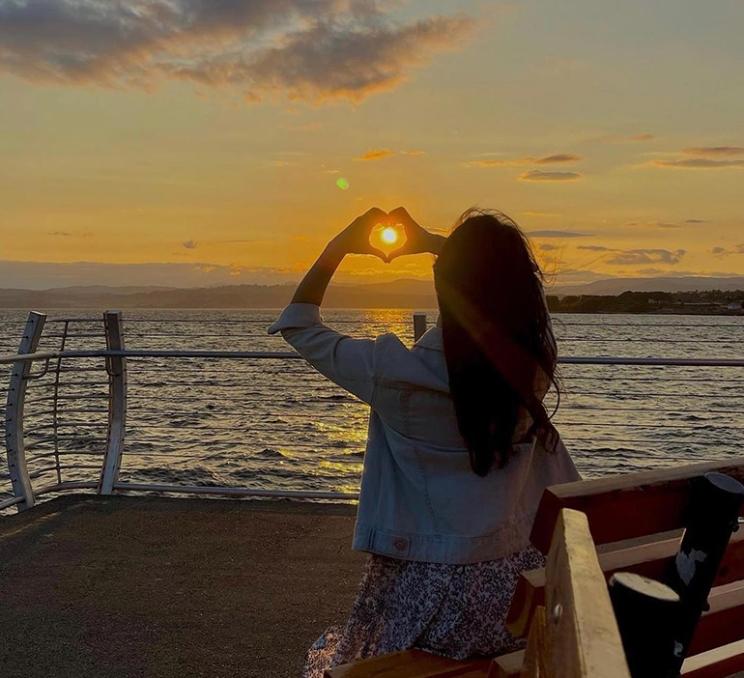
(389, 235)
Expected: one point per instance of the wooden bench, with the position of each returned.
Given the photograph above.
(636, 522)
(581, 634)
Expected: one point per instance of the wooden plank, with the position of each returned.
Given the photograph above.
(408, 664)
(507, 665)
(537, 652)
(640, 556)
(529, 595)
(582, 635)
(721, 661)
(723, 623)
(626, 506)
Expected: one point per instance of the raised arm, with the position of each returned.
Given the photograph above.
(354, 239)
(354, 364)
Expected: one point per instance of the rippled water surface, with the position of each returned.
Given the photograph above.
(277, 424)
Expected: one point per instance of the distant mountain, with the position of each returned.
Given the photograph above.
(408, 293)
(397, 294)
(613, 286)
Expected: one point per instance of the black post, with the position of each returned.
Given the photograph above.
(713, 512)
(645, 610)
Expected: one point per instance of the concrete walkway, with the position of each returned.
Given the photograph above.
(122, 586)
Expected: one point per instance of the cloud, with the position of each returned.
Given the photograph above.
(493, 162)
(529, 160)
(708, 157)
(381, 153)
(646, 256)
(69, 234)
(723, 252)
(558, 234)
(190, 244)
(539, 175)
(302, 49)
(637, 256)
(715, 151)
(644, 136)
(558, 158)
(594, 248)
(699, 163)
(376, 154)
(665, 224)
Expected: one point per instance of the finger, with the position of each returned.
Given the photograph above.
(371, 218)
(402, 214)
(397, 253)
(374, 213)
(379, 254)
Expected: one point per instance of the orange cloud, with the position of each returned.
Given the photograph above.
(376, 154)
(539, 175)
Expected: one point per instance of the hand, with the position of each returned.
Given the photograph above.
(418, 239)
(354, 239)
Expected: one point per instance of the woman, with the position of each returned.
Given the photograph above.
(459, 447)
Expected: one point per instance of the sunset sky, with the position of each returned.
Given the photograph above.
(199, 142)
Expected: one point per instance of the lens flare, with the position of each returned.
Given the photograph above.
(342, 183)
(389, 235)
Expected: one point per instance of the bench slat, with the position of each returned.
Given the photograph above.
(721, 661)
(723, 623)
(626, 506)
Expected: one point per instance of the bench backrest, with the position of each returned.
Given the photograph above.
(627, 506)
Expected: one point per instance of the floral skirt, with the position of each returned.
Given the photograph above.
(453, 610)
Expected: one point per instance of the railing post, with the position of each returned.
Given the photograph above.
(14, 434)
(419, 325)
(117, 406)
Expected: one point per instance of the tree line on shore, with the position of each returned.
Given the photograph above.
(710, 302)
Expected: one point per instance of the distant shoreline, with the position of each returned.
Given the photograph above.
(402, 294)
(410, 309)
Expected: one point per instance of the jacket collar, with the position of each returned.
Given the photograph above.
(431, 339)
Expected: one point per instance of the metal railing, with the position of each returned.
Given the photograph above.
(76, 411)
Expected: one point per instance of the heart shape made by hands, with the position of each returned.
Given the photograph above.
(387, 236)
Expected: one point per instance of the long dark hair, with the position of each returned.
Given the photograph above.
(498, 341)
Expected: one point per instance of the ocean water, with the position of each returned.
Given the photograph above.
(277, 424)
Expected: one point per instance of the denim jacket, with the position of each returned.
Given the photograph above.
(419, 498)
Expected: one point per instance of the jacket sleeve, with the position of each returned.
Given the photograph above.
(348, 362)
